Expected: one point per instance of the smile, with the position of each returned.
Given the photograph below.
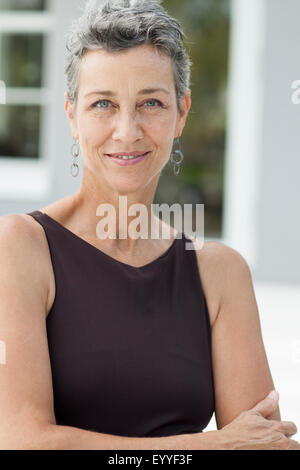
(124, 157)
(128, 159)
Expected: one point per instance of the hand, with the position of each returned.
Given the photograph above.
(252, 430)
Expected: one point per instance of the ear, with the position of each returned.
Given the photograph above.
(70, 115)
(185, 106)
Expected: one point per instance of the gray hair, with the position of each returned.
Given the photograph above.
(116, 25)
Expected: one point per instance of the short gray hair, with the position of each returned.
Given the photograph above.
(116, 25)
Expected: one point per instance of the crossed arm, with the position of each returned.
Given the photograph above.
(241, 372)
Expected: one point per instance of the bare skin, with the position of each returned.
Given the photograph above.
(254, 429)
(242, 378)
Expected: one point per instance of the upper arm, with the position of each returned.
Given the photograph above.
(26, 397)
(241, 372)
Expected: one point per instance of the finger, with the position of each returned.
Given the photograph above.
(288, 428)
(293, 445)
(282, 443)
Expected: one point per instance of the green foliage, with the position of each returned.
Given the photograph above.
(207, 27)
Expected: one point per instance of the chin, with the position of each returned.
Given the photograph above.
(128, 187)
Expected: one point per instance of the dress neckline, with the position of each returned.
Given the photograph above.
(102, 253)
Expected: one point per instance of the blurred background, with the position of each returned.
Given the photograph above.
(241, 142)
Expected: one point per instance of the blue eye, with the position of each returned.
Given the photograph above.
(105, 104)
(102, 102)
(153, 101)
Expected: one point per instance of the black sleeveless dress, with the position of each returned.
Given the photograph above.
(130, 347)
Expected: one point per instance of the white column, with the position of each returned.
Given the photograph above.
(245, 126)
(60, 139)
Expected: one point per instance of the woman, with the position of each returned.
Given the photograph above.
(127, 343)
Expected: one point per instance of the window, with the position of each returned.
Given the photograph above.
(21, 69)
(25, 28)
(22, 5)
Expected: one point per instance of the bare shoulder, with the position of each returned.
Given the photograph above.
(22, 229)
(11, 224)
(219, 251)
(23, 247)
(216, 262)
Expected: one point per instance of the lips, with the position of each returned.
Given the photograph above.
(134, 160)
(127, 154)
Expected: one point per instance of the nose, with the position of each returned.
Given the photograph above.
(127, 127)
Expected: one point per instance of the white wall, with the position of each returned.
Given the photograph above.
(278, 255)
(262, 193)
(60, 137)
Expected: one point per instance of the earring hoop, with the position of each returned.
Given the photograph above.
(75, 152)
(177, 157)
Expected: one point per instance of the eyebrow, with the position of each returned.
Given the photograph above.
(146, 91)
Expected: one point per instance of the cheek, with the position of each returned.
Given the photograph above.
(94, 129)
(161, 124)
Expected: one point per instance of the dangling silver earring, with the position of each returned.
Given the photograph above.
(75, 152)
(177, 157)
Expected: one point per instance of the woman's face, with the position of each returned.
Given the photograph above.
(126, 103)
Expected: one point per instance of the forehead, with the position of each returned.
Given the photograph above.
(137, 66)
